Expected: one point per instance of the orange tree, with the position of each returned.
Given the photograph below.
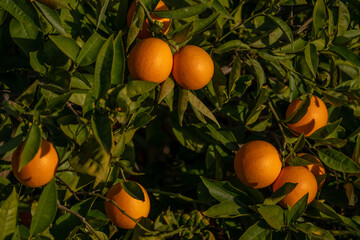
(65, 80)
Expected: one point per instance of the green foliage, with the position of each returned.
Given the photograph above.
(64, 78)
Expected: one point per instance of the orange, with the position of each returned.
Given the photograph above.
(193, 67)
(133, 207)
(306, 183)
(145, 31)
(150, 60)
(316, 116)
(40, 170)
(317, 168)
(257, 164)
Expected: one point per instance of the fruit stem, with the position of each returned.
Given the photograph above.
(83, 220)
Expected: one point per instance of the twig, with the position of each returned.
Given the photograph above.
(179, 196)
(304, 26)
(83, 220)
(72, 109)
(68, 187)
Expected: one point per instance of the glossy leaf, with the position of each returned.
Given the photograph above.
(297, 210)
(280, 193)
(31, 146)
(231, 45)
(52, 16)
(67, 45)
(8, 215)
(226, 209)
(133, 189)
(273, 215)
(300, 111)
(90, 50)
(338, 161)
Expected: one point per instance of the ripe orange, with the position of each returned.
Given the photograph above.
(133, 207)
(257, 164)
(193, 67)
(40, 170)
(306, 183)
(316, 116)
(317, 168)
(145, 31)
(150, 60)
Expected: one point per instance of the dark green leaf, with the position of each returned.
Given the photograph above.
(279, 194)
(273, 215)
(52, 16)
(226, 209)
(223, 135)
(118, 67)
(45, 210)
(182, 104)
(136, 25)
(338, 161)
(311, 58)
(133, 189)
(299, 45)
(181, 13)
(300, 111)
(297, 210)
(166, 87)
(255, 112)
(102, 130)
(90, 50)
(335, 98)
(231, 45)
(319, 15)
(8, 215)
(284, 27)
(67, 45)
(258, 231)
(139, 87)
(347, 54)
(196, 103)
(31, 146)
(325, 131)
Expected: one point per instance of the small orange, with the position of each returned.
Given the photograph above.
(40, 170)
(257, 164)
(145, 31)
(316, 116)
(133, 207)
(306, 183)
(317, 168)
(150, 60)
(193, 67)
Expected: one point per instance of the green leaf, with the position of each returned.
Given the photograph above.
(31, 146)
(300, 111)
(52, 16)
(67, 45)
(284, 27)
(311, 58)
(226, 209)
(196, 103)
(136, 25)
(325, 131)
(338, 161)
(319, 15)
(8, 215)
(182, 104)
(184, 12)
(257, 109)
(139, 87)
(223, 135)
(101, 16)
(235, 74)
(103, 66)
(335, 98)
(343, 19)
(314, 231)
(165, 89)
(102, 130)
(259, 73)
(273, 215)
(297, 210)
(335, 142)
(279, 194)
(299, 45)
(133, 189)
(231, 45)
(188, 137)
(347, 54)
(45, 210)
(203, 24)
(258, 231)
(90, 50)
(118, 67)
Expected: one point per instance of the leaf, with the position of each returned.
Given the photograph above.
(182, 104)
(319, 15)
(259, 73)
(165, 89)
(8, 215)
(338, 161)
(226, 209)
(311, 58)
(223, 135)
(103, 66)
(335, 142)
(45, 210)
(255, 112)
(258, 231)
(139, 87)
(90, 50)
(224, 191)
(280, 193)
(184, 12)
(136, 25)
(300, 111)
(31, 146)
(343, 19)
(203, 24)
(325, 131)
(103, 9)
(297, 210)
(188, 137)
(118, 67)
(350, 193)
(52, 16)
(102, 130)
(196, 103)
(133, 189)
(273, 215)
(235, 74)
(231, 45)
(67, 45)
(284, 27)
(314, 231)
(347, 54)
(299, 45)
(335, 98)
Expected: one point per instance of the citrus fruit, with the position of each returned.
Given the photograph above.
(193, 67)
(317, 168)
(257, 164)
(306, 183)
(133, 207)
(40, 170)
(316, 116)
(150, 60)
(145, 31)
